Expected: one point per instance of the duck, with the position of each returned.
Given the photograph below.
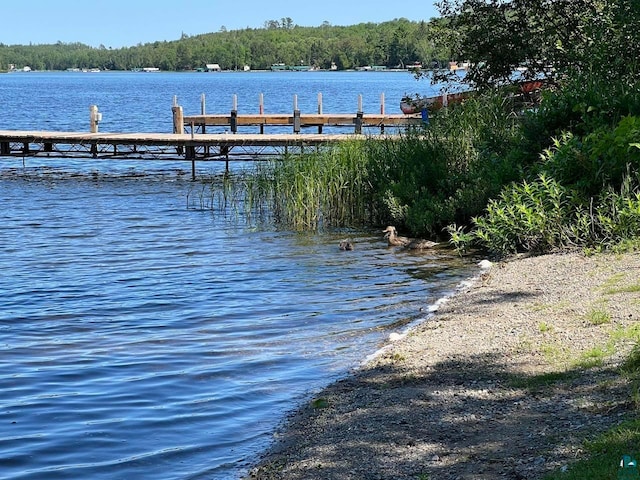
(346, 245)
(394, 240)
(391, 235)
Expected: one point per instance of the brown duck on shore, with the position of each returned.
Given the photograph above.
(394, 240)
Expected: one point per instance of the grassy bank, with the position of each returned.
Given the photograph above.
(483, 175)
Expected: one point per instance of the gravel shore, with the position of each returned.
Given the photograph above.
(494, 385)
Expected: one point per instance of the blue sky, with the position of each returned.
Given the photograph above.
(122, 23)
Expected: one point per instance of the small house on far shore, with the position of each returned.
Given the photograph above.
(213, 67)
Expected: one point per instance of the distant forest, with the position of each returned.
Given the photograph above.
(396, 43)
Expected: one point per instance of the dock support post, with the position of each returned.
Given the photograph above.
(178, 122)
(359, 114)
(319, 110)
(261, 110)
(94, 118)
(190, 154)
(5, 148)
(296, 115)
(233, 121)
(382, 111)
(178, 119)
(234, 115)
(203, 111)
(224, 150)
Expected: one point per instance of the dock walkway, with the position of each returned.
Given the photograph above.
(191, 141)
(299, 121)
(160, 145)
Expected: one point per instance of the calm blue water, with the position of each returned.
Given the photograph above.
(143, 338)
(139, 102)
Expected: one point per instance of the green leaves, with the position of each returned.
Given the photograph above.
(552, 38)
(588, 195)
(527, 217)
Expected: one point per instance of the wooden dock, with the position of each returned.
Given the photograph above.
(157, 146)
(297, 122)
(190, 140)
(177, 146)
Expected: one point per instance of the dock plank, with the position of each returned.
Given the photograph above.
(306, 120)
(156, 145)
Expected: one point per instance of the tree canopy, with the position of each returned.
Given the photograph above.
(395, 43)
(551, 38)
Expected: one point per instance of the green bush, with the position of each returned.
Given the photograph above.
(447, 171)
(601, 160)
(581, 105)
(528, 216)
(586, 194)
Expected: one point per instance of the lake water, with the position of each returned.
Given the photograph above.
(141, 337)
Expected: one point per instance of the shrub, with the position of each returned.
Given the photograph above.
(527, 216)
(446, 172)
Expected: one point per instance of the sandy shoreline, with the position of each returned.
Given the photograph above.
(457, 398)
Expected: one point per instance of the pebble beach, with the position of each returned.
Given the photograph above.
(467, 393)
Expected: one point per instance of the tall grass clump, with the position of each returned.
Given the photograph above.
(327, 188)
(446, 171)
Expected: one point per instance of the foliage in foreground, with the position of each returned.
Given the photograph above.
(579, 148)
(586, 194)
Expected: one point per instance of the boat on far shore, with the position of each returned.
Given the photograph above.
(281, 67)
(417, 103)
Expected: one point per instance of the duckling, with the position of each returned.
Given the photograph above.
(346, 245)
(419, 244)
(391, 234)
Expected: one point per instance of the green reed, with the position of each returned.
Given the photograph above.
(327, 188)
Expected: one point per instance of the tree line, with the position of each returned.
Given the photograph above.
(395, 43)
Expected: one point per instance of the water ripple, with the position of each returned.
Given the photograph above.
(142, 339)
